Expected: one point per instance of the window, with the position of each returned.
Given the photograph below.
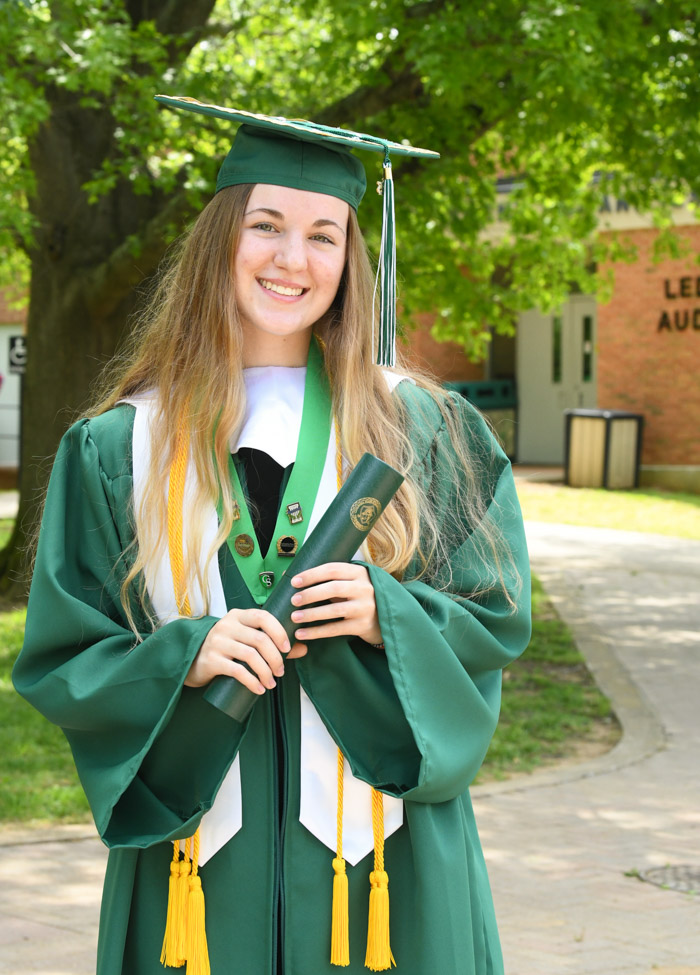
(587, 349)
(556, 348)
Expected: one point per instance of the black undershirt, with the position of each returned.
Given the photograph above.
(264, 483)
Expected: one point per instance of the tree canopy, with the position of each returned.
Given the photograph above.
(560, 101)
(552, 92)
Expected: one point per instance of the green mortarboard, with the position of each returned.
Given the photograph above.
(307, 156)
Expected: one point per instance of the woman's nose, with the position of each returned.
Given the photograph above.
(291, 252)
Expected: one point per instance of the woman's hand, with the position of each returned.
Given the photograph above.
(351, 594)
(244, 636)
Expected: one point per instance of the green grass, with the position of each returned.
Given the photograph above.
(6, 525)
(38, 781)
(552, 708)
(643, 510)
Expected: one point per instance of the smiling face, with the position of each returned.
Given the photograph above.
(287, 270)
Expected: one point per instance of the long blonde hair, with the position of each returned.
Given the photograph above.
(187, 352)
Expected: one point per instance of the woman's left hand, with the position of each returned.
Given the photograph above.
(351, 594)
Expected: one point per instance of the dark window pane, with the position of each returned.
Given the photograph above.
(556, 349)
(587, 350)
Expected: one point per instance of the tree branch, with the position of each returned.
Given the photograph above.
(369, 100)
(179, 20)
(174, 17)
(424, 9)
(219, 29)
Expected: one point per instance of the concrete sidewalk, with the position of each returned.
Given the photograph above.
(564, 848)
(559, 843)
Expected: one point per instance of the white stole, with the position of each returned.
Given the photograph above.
(318, 758)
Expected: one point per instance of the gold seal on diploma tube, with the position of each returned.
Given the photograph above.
(364, 513)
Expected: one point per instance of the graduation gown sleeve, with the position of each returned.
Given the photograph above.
(140, 739)
(416, 719)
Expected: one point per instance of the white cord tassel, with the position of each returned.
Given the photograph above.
(386, 352)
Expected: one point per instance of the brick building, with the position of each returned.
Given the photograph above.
(640, 352)
(649, 350)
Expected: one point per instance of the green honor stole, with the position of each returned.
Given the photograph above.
(261, 574)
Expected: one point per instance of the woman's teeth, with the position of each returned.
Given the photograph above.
(278, 289)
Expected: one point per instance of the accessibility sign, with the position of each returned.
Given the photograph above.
(18, 354)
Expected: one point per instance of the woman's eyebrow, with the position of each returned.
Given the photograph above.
(272, 213)
(326, 223)
(321, 222)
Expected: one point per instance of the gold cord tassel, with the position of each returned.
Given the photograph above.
(168, 955)
(340, 923)
(197, 950)
(379, 957)
(340, 935)
(180, 912)
(185, 897)
(173, 951)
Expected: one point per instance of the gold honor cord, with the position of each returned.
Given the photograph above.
(185, 937)
(378, 957)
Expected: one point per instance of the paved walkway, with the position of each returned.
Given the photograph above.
(561, 848)
(559, 844)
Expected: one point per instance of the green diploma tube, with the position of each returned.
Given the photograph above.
(338, 535)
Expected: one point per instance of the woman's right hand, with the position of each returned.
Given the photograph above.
(244, 636)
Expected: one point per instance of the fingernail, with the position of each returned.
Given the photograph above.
(279, 672)
(300, 634)
(272, 683)
(296, 599)
(297, 617)
(287, 646)
(260, 689)
(296, 581)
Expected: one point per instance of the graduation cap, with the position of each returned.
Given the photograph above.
(308, 156)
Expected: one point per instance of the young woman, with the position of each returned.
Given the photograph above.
(173, 509)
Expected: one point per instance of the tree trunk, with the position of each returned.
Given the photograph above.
(83, 270)
(74, 325)
(66, 349)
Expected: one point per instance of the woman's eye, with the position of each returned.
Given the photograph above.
(323, 238)
(263, 226)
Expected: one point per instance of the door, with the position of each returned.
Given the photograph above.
(556, 371)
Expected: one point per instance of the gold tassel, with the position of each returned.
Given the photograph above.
(168, 955)
(185, 938)
(340, 935)
(197, 948)
(340, 923)
(379, 957)
(180, 910)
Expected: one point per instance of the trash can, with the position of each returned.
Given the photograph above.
(496, 399)
(602, 448)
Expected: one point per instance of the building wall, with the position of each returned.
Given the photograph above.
(11, 316)
(12, 324)
(649, 348)
(445, 360)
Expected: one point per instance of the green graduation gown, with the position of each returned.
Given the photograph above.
(414, 720)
